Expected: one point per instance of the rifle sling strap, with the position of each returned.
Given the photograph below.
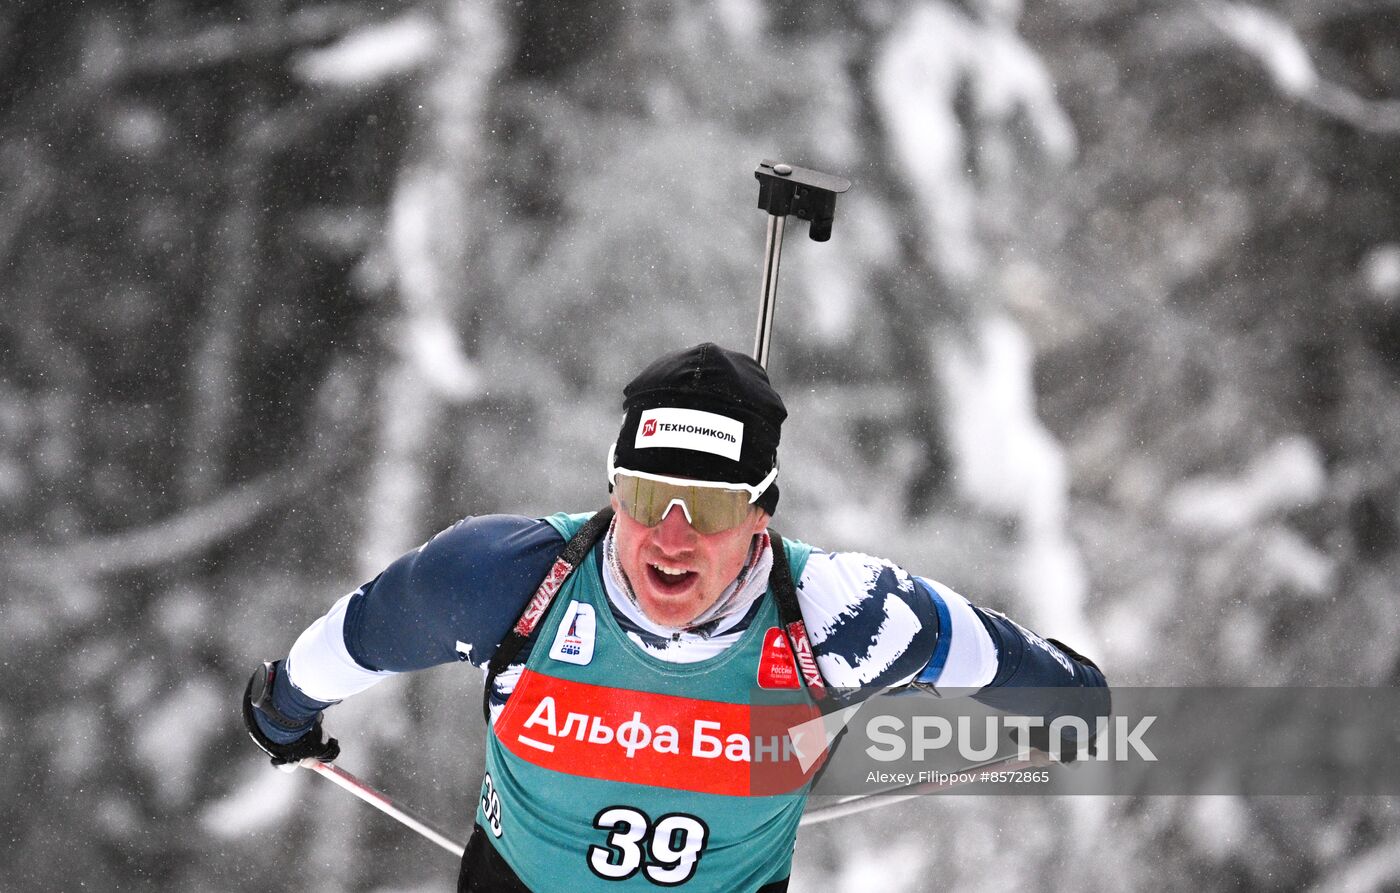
(572, 555)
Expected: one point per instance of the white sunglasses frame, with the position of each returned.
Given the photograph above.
(754, 490)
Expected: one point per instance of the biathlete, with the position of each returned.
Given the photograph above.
(630, 651)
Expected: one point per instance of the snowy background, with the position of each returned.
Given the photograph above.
(1107, 337)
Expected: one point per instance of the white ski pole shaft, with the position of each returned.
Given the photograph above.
(864, 802)
(382, 803)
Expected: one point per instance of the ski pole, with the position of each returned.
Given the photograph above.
(890, 796)
(785, 189)
(382, 803)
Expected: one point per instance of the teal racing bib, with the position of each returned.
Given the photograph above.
(610, 769)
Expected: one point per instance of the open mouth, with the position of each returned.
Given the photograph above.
(668, 580)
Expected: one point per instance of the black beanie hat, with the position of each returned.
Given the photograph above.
(706, 413)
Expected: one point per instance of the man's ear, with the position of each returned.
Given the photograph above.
(760, 521)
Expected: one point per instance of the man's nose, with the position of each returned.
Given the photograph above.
(674, 529)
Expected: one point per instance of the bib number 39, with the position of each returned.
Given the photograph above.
(665, 851)
(491, 805)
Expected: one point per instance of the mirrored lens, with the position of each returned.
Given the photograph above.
(711, 509)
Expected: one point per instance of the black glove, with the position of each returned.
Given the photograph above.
(1074, 654)
(1072, 751)
(258, 696)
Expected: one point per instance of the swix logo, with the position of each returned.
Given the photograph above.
(573, 643)
(649, 427)
(805, 660)
(539, 603)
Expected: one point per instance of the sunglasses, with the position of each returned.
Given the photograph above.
(709, 506)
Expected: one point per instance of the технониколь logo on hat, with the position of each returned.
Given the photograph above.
(690, 429)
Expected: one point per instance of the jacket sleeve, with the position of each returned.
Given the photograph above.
(1006, 666)
(452, 599)
(1043, 678)
(875, 627)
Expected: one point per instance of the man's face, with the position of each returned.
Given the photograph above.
(707, 563)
